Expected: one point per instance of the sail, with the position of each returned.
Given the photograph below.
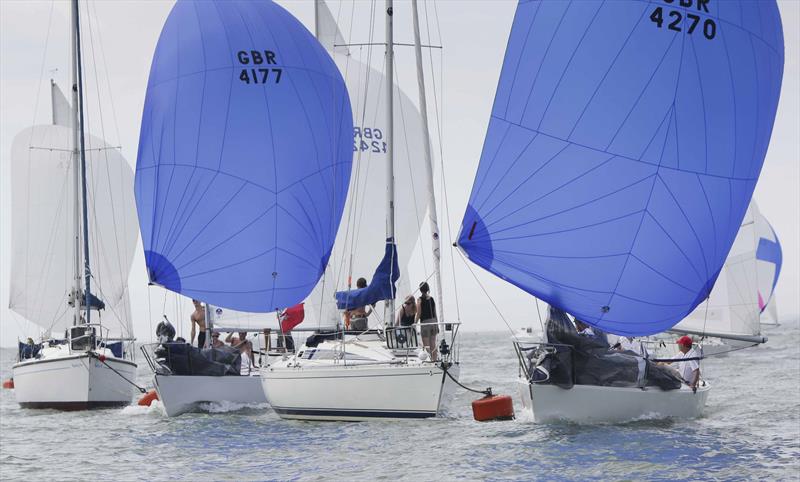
(732, 307)
(360, 242)
(62, 112)
(244, 156)
(623, 148)
(769, 258)
(43, 252)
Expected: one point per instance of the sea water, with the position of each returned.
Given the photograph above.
(750, 430)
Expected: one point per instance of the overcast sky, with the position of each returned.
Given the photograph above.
(34, 41)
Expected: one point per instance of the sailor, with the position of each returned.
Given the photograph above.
(630, 343)
(165, 332)
(426, 316)
(358, 316)
(215, 341)
(407, 312)
(244, 346)
(689, 369)
(198, 320)
(583, 328)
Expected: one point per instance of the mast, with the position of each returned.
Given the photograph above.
(389, 307)
(78, 86)
(426, 138)
(76, 178)
(316, 18)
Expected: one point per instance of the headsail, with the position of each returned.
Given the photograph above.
(625, 141)
(360, 242)
(42, 239)
(244, 157)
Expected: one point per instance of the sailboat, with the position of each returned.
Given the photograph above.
(73, 244)
(625, 141)
(734, 308)
(380, 372)
(244, 160)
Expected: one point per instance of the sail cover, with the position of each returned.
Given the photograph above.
(43, 252)
(623, 147)
(244, 156)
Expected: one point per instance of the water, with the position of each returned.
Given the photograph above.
(751, 430)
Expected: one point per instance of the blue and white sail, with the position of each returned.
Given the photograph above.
(244, 157)
(769, 258)
(625, 141)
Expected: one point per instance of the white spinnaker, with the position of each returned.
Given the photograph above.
(360, 241)
(42, 219)
(732, 307)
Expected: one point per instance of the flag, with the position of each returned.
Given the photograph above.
(291, 317)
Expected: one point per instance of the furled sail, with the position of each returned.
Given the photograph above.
(360, 242)
(43, 253)
(381, 286)
(624, 144)
(244, 157)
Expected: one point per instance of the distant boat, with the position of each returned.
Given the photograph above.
(244, 161)
(73, 241)
(625, 141)
(734, 309)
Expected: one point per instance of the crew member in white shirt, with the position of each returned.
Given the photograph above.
(689, 369)
(629, 343)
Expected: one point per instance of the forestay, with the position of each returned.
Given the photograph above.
(42, 197)
(624, 144)
(360, 242)
(244, 156)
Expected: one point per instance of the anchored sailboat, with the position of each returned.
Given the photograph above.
(244, 161)
(73, 242)
(625, 142)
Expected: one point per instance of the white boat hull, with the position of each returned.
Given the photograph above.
(596, 404)
(358, 392)
(181, 394)
(74, 382)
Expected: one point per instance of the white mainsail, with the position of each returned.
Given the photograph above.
(732, 308)
(42, 244)
(360, 241)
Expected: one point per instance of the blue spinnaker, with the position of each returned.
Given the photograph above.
(624, 144)
(244, 156)
(381, 287)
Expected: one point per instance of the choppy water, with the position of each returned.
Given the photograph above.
(751, 430)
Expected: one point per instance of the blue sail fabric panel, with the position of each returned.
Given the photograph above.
(381, 287)
(624, 144)
(770, 251)
(244, 156)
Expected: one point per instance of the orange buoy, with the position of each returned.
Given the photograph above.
(148, 398)
(8, 383)
(497, 407)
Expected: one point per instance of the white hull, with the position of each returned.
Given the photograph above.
(73, 382)
(593, 404)
(181, 394)
(357, 392)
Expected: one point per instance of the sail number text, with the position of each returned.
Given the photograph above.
(368, 139)
(258, 70)
(682, 20)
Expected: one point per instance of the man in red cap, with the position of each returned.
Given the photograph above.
(689, 369)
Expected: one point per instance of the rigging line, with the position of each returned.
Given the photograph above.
(541, 324)
(108, 77)
(97, 232)
(439, 105)
(411, 173)
(150, 313)
(485, 292)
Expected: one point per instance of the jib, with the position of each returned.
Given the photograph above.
(257, 57)
(702, 5)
